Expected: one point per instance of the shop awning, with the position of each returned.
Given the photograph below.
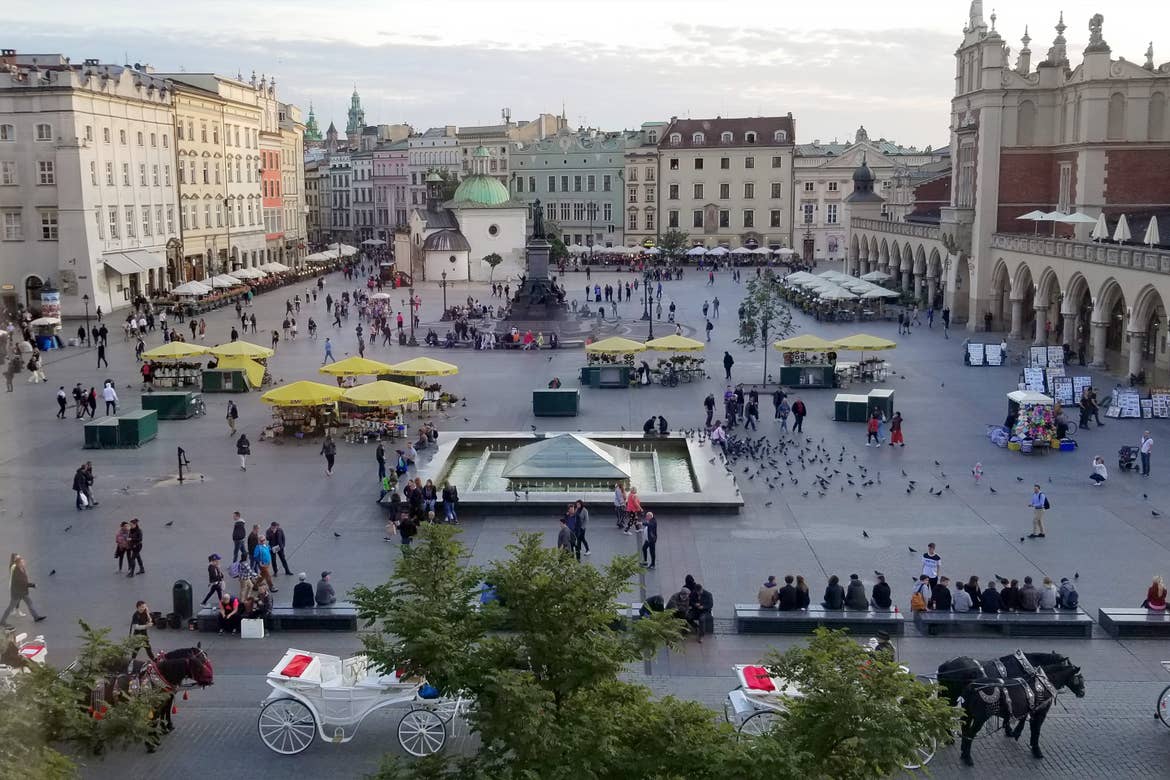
(121, 264)
(146, 258)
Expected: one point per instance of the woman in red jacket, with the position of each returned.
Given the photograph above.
(871, 430)
(1156, 596)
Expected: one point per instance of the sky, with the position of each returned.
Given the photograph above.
(611, 64)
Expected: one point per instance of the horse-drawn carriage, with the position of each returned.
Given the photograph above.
(315, 692)
(1162, 711)
(19, 653)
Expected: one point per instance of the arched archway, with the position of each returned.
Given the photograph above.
(1147, 333)
(1047, 307)
(852, 264)
(1001, 289)
(920, 274)
(32, 292)
(1110, 317)
(906, 267)
(934, 278)
(1023, 292)
(884, 256)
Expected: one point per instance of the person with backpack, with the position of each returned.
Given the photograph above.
(1040, 505)
(1067, 596)
(243, 449)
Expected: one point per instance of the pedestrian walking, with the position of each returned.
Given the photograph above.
(121, 544)
(239, 534)
(709, 405)
(782, 412)
(233, 414)
(1040, 505)
(62, 402)
(728, 362)
(871, 430)
(87, 470)
(715, 306)
(80, 489)
(751, 415)
(214, 580)
(946, 318)
(649, 539)
(619, 505)
(91, 402)
(565, 537)
(18, 588)
(36, 372)
(253, 541)
(262, 557)
(140, 622)
(110, 396)
(134, 539)
(1145, 448)
(451, 503)
(710, 328)
(896, 430)
(329, 450)
(275, 536)
(582, 523)
(328, 352)
(931, 563)
(101, 354)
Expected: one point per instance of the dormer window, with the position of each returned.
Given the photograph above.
(726, 138)
(675, 139)
(781, 136)
(749, 137)
(698, 138)
(653, 136)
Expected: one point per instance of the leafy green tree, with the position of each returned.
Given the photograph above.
(673, 244)
(492, 260)
(552, 234)
(764, 315)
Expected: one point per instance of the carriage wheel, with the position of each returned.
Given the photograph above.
(421, 733)
(286, 726)
(759, 723)
(922, 755)
(1164, 707)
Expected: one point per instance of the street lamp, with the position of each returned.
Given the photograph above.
(592, 208)
(410, 311)
(646, 288)
(85, 300)
(443, 285)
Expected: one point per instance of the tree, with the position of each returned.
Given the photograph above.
(492, 260)
(861, 715)
(552, 234)
(673, 244)
(764, 315)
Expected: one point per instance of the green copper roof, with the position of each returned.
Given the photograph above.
(481, 190)
(481, 151)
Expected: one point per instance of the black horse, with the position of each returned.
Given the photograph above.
(953, 675)
(166, 671)
(1024, 697)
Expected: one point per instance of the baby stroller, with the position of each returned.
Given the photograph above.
(1127, 458)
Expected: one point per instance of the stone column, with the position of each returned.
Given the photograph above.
(1041, 318)
(1099, 329)
(1069, 335)
(931, 284)
(1135, 351)
(906, 281)
(1017, 331)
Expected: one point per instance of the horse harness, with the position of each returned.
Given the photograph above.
(996, 694)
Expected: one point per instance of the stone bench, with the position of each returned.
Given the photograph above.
(1067, 623)
(754, 619)
(1128, 622)
(341, 616)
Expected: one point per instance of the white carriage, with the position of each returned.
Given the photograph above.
(762, 699)
(19, 651)
(315, 692)
(1163, 708)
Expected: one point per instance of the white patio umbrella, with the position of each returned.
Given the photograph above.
(785, 251)
(1100, 230)
(1078, 218)
(1152, 236)
(741, 250)
(697, 251)
(345, 250)
(836, 294)
(761, 250)
(249, 273)
(274, 267)
(1121, 232)
(1054, 217)
(191, 288)
(653, 251)
(876, 276)
(718, 251)
(373, 242)
(880, 292)
(225, 280)
(1036, 216)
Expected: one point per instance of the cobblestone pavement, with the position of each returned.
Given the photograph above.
(1109, 536)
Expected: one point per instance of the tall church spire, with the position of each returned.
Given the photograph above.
(1058, 53)
(357, 119)
(312, 131)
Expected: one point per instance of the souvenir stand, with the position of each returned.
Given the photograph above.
(172, 366)
(678, 367)
(377, 410)
(240, 366)
(808, 361)
(1035, 421)
(610, 363)
(301, 409)
(415, 372)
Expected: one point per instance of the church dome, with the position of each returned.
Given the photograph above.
(446, 241)
(480, 190)
(862, 173)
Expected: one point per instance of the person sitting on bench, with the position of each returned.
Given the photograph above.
(229, 614)
(648, 426)
(554, 383)
(325, 595)
(663, 428)
(303, 592)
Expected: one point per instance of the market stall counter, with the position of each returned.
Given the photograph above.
(1031, 422)
(808, 362)
(302, 409)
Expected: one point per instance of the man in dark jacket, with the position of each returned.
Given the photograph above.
(1029, 596)
(787, 598)
(239, 534)
(881, 593)
(855, 597)
(134, 540)
(325, 595)
(1009, 597)
(834, 594)
(302, 594)
(702, 603)
(709, 405)
(799, 410)
(80, 483)
(990, 598)
(275, 537)
(728, 362)
(940, 596)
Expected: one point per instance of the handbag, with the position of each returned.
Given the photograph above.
(81, 497)
(252, 628)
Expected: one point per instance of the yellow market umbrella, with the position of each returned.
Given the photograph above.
(675, 343)
(356, 366)
(615, 345)
(302, 393)
(423, 366)
(253, 370)
(175, 350)
(805, 343)
(863, 342)
(241, 349)
(382, 393)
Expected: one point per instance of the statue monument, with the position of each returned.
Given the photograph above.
(538, 298)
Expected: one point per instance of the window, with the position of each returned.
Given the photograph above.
(675, 139)
(698, 163)
(698, 190)
(110, 174)
(591, 183)
(672, 219)
(1065, 193)
(550, 211)
(140, 139)
(217, 180)
(564, 184)
(672, 192)
(649, 220)
(7, 132)
(724, 191)
(13, 229)
(130, 222)
(93, 177)
(142, 174)
(780, 136)
(649, 194)
(698, 138)
(219, 213)
(145, 221)
(206, 174)
(808, 209)
(606, 212)
(832, 186)
(239, 172)
(808, 186)
(831, 214)
(170, 219)
(97, 218)
(206, 215)
(749, 137)
(776, 161)
(724, 163)
(632, 193)
(775, 218)
(166, 142)
(749, 218)
(203, 132)
(106, 134)
(153, 140)
(182, 174)
(552, 183)
(520, 184)
(166, 175)
(652, 136)
(46, 172)
(8, 172)
(181, 136)
(777, 189)
(215, 134)
(532, 184)
(576, 184)
(749, 162)
(89, 132)
(578, 212)
(122, 137)
(749, 189)
(565, 212)
(191, 178)
(125, 174)
(724, 218)
(237, 135)
(726, 138)
(673, 164)
(158, 220)
(44, 132)
(231, 215)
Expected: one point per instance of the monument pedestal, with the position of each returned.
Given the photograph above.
(537, 298)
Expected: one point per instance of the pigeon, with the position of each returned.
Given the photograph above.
(866, 535)
(1146, 497)
(1076, 575)
(52, 572)
(804, 494)
(169, 523)
(877, 573)
(336, 535)
(1002, 580)
(1021, 538)
(937, 463)
(68, 528)
(767, 503)
(858, 496)
(911, 549)
(466, 420)
(904, 472)
(993, 490)
(1019, 479)
(1153, 512)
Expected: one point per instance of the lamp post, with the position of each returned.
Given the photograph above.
(443, 286)
(85, 300)
(646, 287)
(592, 209)
(410, 311)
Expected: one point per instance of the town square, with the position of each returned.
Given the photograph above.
(397, 355)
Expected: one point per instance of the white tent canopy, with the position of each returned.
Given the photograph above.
(880, 292)
(274, 267)
(345, 250)
(876, 276)
(741, 250)
(1152, 236)
(1078, 218)
(225, 280)
(719, 251)
(249, 273)
(373, 242)
(1121, 232)
(697, 251)
(191, 288)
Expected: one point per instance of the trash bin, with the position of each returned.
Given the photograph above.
(184, 600)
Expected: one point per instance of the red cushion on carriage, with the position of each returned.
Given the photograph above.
(297, 666)
(31, 650)
(758, 679)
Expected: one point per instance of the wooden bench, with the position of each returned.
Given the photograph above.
(1127, 622)
(1068, 623)
(754, 619)
(341, 616)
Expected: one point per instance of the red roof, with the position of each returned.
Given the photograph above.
(765, 128)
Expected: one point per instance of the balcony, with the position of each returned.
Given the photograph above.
(1135, 258)
(897, 228)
